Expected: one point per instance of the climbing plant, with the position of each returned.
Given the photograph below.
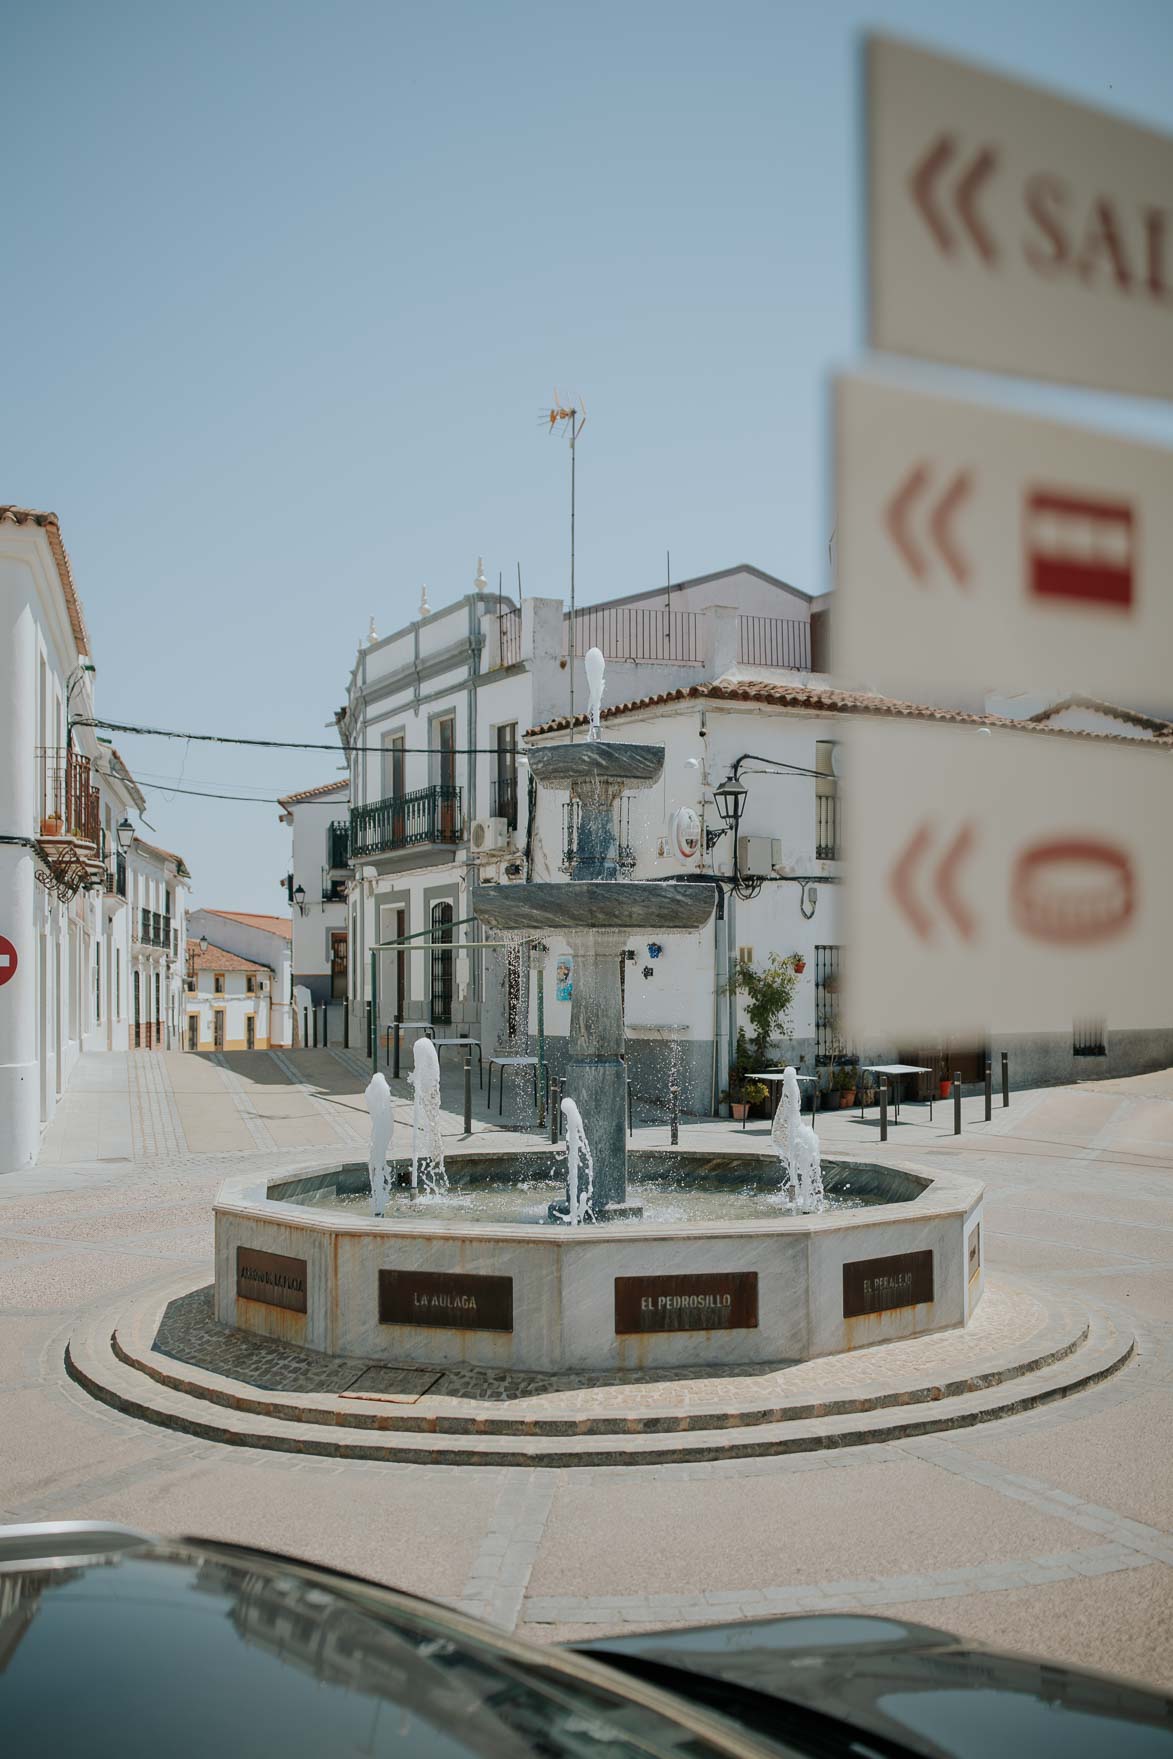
(768, 991)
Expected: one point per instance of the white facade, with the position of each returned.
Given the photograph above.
(319, 820)
(267, 941)
(226, 1002)
(157, 882)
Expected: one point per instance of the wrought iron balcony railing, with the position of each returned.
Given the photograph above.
(405, 821)
(116, 877)
(154, 929)
(70, 804)
(827, 827)
(338, 844)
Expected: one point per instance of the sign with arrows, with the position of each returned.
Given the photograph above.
(1012, 879)
(980, 549)
(1016, 231)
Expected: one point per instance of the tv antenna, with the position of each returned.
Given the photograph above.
(571, 419)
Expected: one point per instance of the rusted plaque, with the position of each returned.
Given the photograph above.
(712, 1301)
(272, 1278)
(451, 1299)
(873, 1285)
(975, 1250)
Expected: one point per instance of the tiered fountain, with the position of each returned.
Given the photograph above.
(708, 1257)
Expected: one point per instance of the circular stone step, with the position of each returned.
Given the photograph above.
(1028, 1348)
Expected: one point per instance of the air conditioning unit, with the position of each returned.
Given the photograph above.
(489, 834)
(758, 855)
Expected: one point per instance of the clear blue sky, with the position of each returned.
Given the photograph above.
(285, 287)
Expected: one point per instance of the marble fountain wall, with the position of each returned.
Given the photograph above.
(313, 1277)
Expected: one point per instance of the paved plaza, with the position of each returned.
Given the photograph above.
(1050, 1531)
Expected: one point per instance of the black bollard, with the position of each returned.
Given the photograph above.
(345, 1025)
(555, 1113)
(883, 1108)
(989, 1093)
(630, 1125)
(305, 1028)
(315, 1013)
(674, 1114)
(957, 1103)
(468, 1096)
(1005, 1078)
(325, 1026)
(372, 1045)
(395, 1033)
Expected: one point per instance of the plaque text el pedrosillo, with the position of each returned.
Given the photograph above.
(272, 1278)
(875, 1285)
(712, 1301)
(451, 1299)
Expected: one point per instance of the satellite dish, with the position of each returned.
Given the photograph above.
(686, 832)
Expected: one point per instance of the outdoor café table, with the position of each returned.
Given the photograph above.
(474, 1043)
(894, 1071)
(772, 1077)
(500, 1063)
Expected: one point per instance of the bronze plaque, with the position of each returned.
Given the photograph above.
(452, 1299)
(975, 1250)
(269, 1277)
(725, 1300)
(874, 1285)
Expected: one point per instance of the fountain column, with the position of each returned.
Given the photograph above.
(596, 1069)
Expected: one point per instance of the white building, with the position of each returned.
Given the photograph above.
(319, 820)
(156, 883)
(226, 1001)
(265, 940)
(439, 799)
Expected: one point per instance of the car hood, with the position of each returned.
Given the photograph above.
(920, 1688)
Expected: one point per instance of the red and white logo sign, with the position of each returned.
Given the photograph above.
(1075, 891)
(1079, 549)
(8, 960)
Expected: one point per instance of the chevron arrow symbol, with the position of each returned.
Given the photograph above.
(908, 891)
(939, 525)
(923, 185)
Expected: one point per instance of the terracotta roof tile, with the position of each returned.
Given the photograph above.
(339, 787)
(164, 855)
(52, 530)
(818, 699)
(1132, 717)
(220, 959)
(281, 925)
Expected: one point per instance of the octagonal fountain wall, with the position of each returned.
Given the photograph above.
(294, 1263)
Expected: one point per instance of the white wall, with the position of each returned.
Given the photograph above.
(266, 947)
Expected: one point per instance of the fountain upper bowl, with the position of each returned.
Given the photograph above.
(617, 904)
(565, 766)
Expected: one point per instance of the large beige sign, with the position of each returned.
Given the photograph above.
(1004, 880)
(1014, 230)
(980, 549)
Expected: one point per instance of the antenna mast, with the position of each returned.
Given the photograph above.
(572, 420)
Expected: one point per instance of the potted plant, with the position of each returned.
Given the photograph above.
(848, 1076)
(768, 990)
(51, 825)
(799, 964)
(944, 1079)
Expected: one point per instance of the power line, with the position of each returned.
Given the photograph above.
(281, 744)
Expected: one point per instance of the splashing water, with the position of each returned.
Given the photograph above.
(378, 1098)
(595, 667)
(580, 1167)
(427, 1146)
(797, 1148)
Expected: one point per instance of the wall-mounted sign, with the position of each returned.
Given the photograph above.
(455, 1301)
(710, 1301)
(876, 1285)
(564, 978)
(272, 1278)
(8, 960)
(974, 1251)
(1014, 230)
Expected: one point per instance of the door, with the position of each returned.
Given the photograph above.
(193, 1032)
(400, 965)
(250, 1032)
(441, 965)
(138, 1039)
(446, 741)
(218, 1029)
(504, 803)
(338, 964)
(158, 1016)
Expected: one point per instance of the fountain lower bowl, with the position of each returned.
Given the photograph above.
(527, 1295)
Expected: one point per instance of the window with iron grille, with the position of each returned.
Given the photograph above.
(1087, 1039)
(441, 966)
(828, 1038)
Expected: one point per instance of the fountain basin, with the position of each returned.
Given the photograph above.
(624, 1295)
(572, 766)
(628, 906)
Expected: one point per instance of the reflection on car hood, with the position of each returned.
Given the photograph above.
(911, 1684)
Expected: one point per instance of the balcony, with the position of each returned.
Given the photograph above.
(116, 877)
(338, 844)
(778, 643)
(153, 930)
(407, 821)
(69, 801)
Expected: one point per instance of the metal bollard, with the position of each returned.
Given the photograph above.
(372, 1043)
(468, 1096)
(555, 1114)
(398, 1049)
(989, 1093)
(674, 1114)
(957, 1103)
(346, 1026)
(325, 1026)
(305, 1028)
(630, 1125)
(1005, 1078)
(315, 1014)
(883, 1108)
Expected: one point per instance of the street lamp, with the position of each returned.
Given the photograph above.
(125, 834)
(730, 801)
(299, 898)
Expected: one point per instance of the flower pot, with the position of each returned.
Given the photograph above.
(799, 967)
(847, 1098)
(944, 1087)
(739, 1108)
(51, 825)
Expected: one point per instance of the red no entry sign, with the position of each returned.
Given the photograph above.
(8, 960)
